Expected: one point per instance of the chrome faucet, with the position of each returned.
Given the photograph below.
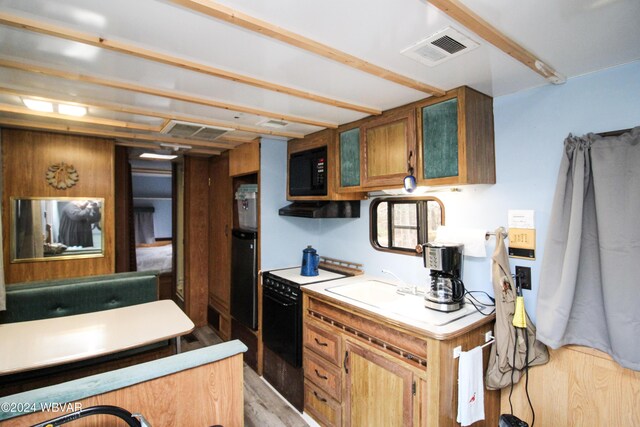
(406, 288)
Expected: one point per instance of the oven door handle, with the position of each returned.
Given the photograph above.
(278, 300)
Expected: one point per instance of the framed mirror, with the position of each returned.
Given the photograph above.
(50, 228)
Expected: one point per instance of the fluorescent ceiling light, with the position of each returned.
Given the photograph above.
(34, 104)
(72, 110)
(157, 156)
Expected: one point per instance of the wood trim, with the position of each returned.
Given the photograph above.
(140, 52)
(55, 127)
(150, 113)
(6, 108)
(465, 16)
(135, 144)
(235, 17)
(179, 96)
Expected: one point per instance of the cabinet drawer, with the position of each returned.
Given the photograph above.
(323, 374)
(322, 342)
(320, 406)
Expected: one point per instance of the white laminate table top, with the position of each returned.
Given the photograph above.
(48, 342)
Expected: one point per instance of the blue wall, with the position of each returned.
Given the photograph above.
(154, 187)
(530, 127)
(283, 238)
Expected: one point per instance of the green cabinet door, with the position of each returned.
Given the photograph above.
(440, 139)
(350, 158)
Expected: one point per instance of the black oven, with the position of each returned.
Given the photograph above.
(282, 318)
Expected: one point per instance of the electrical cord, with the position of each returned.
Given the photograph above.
(471, 299)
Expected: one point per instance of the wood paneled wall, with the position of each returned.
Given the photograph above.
(196, 238)
(578, 387)
(26, 155)
(203, 396)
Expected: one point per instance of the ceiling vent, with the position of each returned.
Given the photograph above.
(440, 47)
(272, 123)
(194, 130)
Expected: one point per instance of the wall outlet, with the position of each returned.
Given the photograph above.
(523, 277)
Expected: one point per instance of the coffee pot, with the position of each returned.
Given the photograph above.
(310, 261)
(446, 292)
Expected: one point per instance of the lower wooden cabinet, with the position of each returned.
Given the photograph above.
(362, 370)
(379, 391)
(324, 409)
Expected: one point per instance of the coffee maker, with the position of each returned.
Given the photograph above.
(446, 292)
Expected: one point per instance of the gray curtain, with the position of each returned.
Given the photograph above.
(143, 223)
(590, 279)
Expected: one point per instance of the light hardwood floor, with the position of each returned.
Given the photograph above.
(262, 406)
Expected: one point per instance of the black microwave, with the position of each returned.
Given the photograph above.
(308, 173)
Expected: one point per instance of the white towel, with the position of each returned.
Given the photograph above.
(470, 387)
(473, 239)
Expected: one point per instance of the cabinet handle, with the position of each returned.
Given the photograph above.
(344, 362)
(321, 399)
(321, 344)
(226, 230)
(320, 375)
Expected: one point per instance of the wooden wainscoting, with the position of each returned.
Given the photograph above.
(578, 387)
(203, 396)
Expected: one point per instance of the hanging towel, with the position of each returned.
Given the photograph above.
(470, 387)
(473, 239)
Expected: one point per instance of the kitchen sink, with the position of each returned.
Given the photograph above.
(384, 296)
(370, 292)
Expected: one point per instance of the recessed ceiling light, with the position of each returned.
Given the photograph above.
(34, 104)
(72, 110)
(157, 156)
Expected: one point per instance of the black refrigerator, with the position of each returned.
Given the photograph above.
(244, 277)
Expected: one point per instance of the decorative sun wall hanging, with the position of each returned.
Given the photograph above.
(62, 176)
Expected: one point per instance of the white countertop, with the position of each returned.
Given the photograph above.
(48, 342)
(408, 310)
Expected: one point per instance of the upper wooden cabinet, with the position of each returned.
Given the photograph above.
(456, 139)
(326, 138)
(448, 140)
(388, 142)
(244, 159)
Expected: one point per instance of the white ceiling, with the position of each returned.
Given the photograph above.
(573, 36)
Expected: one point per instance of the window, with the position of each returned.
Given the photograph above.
(400, 224)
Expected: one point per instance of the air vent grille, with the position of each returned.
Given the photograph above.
(448, 44)
(194, 130)
(440, 47)
(273, 123)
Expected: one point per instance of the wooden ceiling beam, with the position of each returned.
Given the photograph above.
(66, 128)
(232, 16)
(140, 52)
(178, 96)
(6, 108)
(465, 16)
(137, 144)
(150, 113)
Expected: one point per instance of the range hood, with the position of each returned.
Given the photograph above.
(345, 209)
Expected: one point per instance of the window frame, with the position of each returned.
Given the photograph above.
(422, 221)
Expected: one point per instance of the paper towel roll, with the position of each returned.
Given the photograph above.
(473, 239)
